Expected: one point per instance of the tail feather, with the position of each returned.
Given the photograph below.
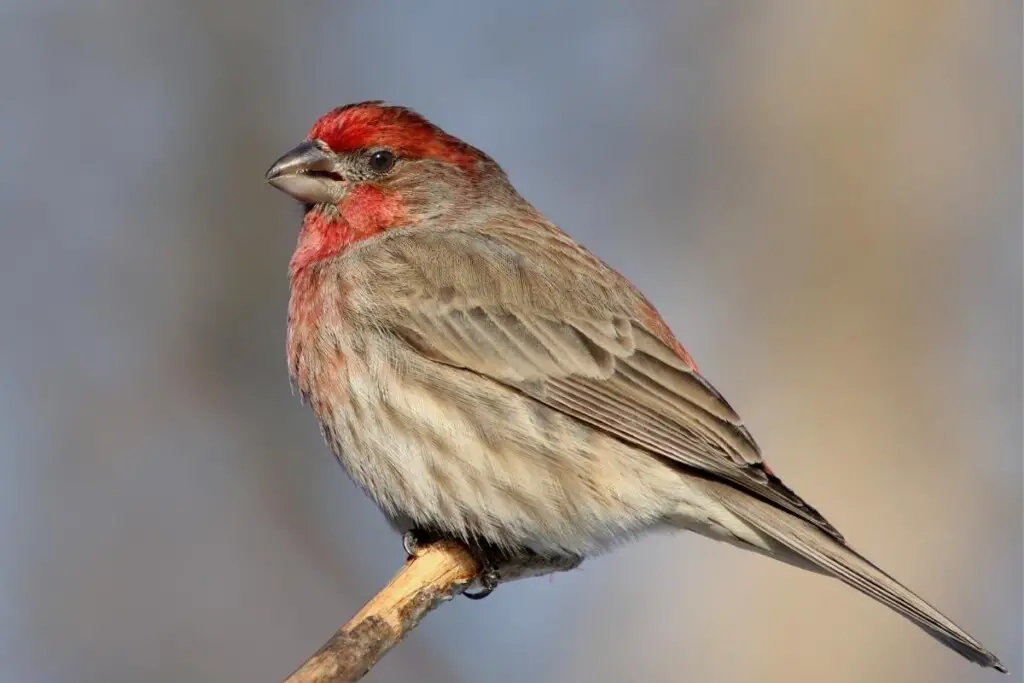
(811, 545)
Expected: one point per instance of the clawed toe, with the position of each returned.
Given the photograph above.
(489, 580)
(513, 565)
(415, 539)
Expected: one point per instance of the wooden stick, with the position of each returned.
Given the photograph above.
(437, 573)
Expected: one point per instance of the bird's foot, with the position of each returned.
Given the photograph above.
(488, 580)
(497, 565)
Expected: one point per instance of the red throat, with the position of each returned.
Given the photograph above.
(328, 231)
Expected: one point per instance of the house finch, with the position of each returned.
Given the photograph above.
(483, 377)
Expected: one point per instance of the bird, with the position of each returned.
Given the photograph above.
(485, 378)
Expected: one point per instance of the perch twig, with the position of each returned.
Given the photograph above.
(437, 573)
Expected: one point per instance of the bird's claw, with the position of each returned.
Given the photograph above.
(513, 566)
(414, 540)
(489, 580)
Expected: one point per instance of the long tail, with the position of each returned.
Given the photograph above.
(811, 546)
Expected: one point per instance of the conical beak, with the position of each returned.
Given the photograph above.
(307, 173)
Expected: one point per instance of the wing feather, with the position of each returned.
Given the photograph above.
(560, 344)
(609, 382)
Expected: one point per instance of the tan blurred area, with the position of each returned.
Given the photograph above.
(824, 199)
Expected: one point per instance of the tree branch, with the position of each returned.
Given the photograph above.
(437, 573)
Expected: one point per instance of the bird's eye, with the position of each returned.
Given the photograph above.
(382, 160)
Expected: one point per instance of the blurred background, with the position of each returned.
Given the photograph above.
(824, 199)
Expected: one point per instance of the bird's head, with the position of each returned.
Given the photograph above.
(369, 167)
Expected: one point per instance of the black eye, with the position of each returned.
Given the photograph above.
(382, 160)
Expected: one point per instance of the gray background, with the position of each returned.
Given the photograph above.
(824, 199)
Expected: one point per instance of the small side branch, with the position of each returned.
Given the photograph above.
(439, 572)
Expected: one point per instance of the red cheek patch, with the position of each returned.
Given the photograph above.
(328, 231)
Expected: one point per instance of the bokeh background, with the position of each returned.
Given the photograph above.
(824, 198)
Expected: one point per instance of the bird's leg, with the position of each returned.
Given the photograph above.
(489, 576)
(500, 565)
(497, 564)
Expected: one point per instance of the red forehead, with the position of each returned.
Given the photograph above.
(372, 124)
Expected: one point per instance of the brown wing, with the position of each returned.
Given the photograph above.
(531, 310)
(612, 374)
